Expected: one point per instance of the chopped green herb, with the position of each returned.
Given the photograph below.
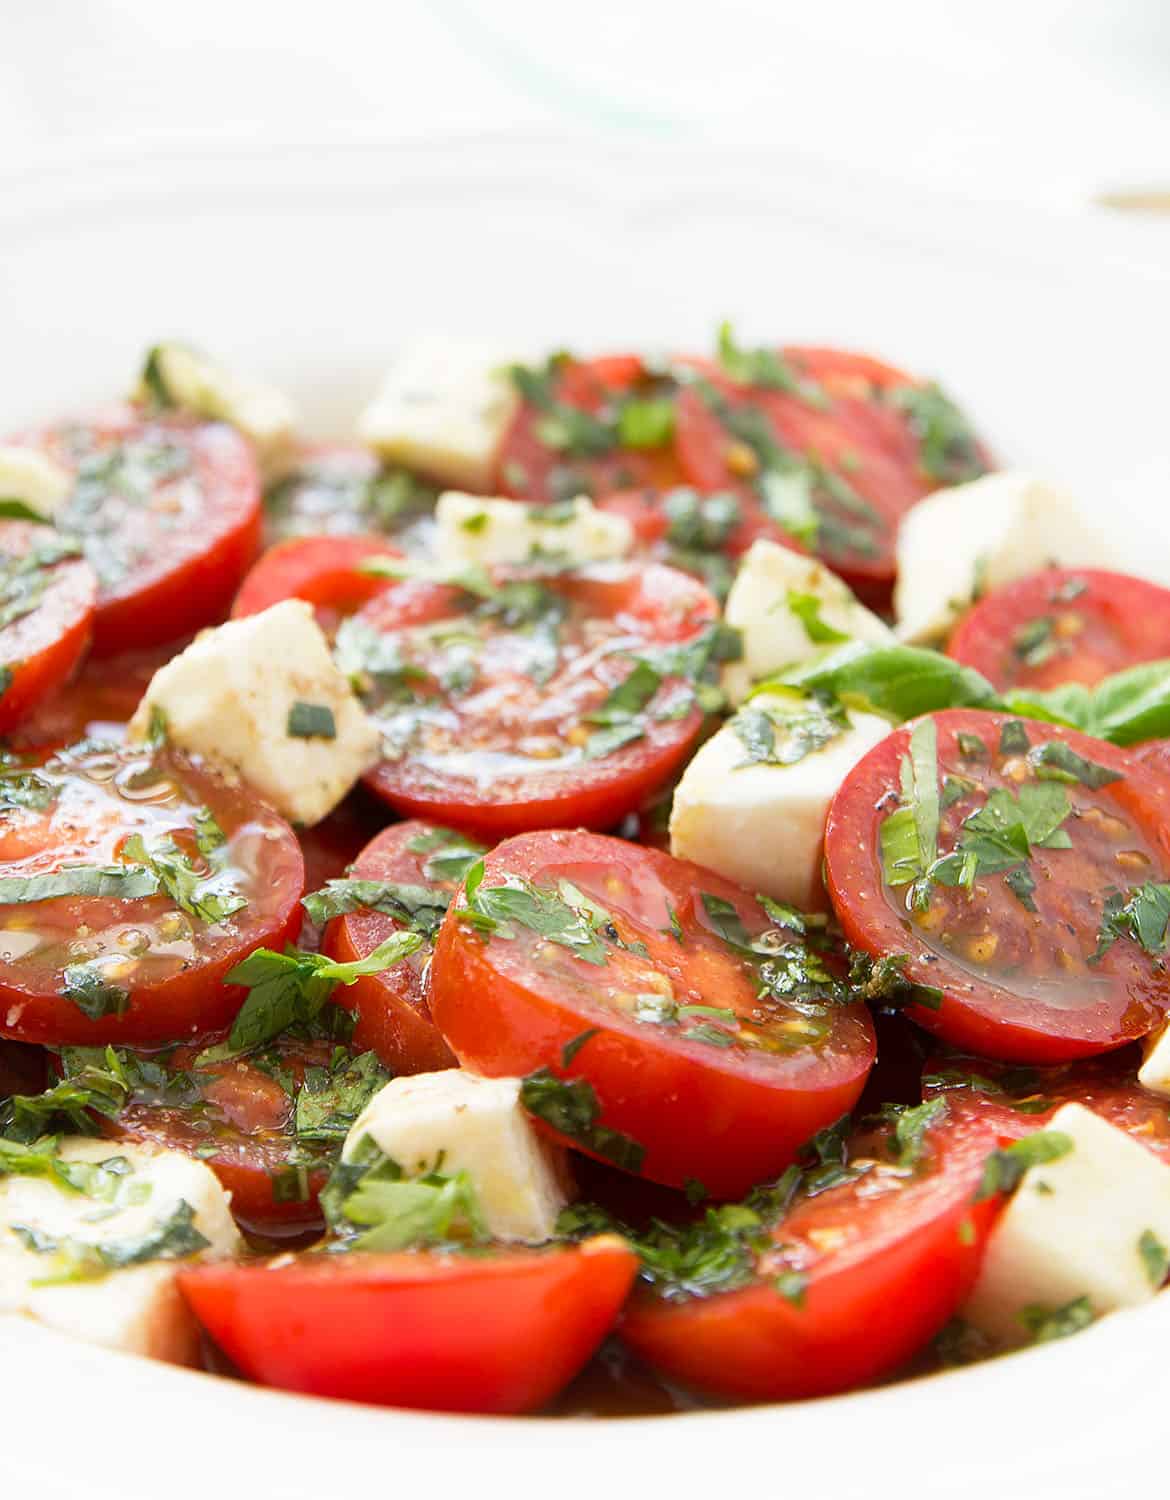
(94, 997)
(1004, 1168)
(331, 1099)
(1056, 761)
(807, 609)
(1141, 914)
(1021, 883)
(1154, 1257)
(776, 734)
(419, 907)
(911, 1124)
(1013, 738)
(792, 1286)
(311, 721)
(1046, 1324)
(124, 882)
(211, 898)
(765, 367)
(572, 1108)
(971, 747)
(494, 909)
(1033, 643)
(897, 682)
(645, 424)
(570, 1049)
(948, 448)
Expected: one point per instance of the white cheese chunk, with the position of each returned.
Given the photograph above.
(1094, 1223)
(33, 478)
(231, 696)
(444, 408)
(455, 1121)
(472, 529)
(1154, 1073)
(777, 601)
(196, 383)
(136, 1199)
(960, 543)
(763, 825)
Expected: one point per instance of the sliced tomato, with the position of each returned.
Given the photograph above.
(445, 1332)
(692, 1049)
(851, 1282)
(268, 1124)
(168, 512)
(83, 963)
(494, 711)
(333, 489)
(47, 595)
(1032, 963)
(1155, 754)
(324, 570)
(1064, 625)
(393, 1008)
(544, 457)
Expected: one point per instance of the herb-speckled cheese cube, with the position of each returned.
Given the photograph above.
(474, 529)
(34, 479)
(263, 696)
(1154, 1073)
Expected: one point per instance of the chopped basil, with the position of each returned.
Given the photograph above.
(451, 854)
(1009, 825)
(807, 609)
(124, 882)
(23, 580)
(418, 907)
(571, 1107)
(896, 682)
(948, 449)
(12, 509)
(211, 898)
(911, 1124)
(1056, 761)
(766, 368)
(1003, 1169)
(173, 1238)
(629, 698)
(971, 746)
(1154, 1257)
(908, 837)
(701, 523)
(1013, 738)
(311, 721)
(1033, 643)
(1022, 884)
(1141, 914)
(645, 424)
(883, 981)
(330, 1099)
(792, 1286)
(94, 997)
(1046, 1324)
(570, 1049)
(774, 734)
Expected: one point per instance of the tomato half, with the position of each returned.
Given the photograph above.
(1032, 960)
(485, 1333)
(47, 596)
(320, 569)
(1064, 625)
(393, 1008)
(564, 440)
(84, 963)
(702, 1058)
(493, 711)
(850, 1284)
(168, 512)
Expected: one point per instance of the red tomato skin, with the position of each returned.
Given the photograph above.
(699, 1115)
(46, 647)
(866, 1310)
(423, 1330)
(392, 1008)
(1133, 616)
(320, 569)
(976, 1022)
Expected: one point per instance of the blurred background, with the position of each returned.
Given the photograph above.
(1049, 102)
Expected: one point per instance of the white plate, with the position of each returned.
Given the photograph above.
(311, 263)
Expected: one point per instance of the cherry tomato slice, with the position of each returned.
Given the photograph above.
(393, 1008)
(492, 1334)
(320, 569)
(1029, 964)
(700, 1068)
(489, 708)
(168, 511)
(541, 459)
(47, 596)
(855, 1280)
(336, 489)
(1064, 625)
(83, 964)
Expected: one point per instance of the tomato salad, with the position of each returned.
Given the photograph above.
(403, 862)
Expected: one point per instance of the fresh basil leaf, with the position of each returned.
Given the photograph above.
(330, 1099)
(419, 907)
(210, 898)
(895, 682)
(94, 997)
(571, 1107)
(1056, 761)
(548, 915)
(629, 698)
(311, 721)
(807, 609)
(123, 882)
(1141, 914)
(1004, 1168)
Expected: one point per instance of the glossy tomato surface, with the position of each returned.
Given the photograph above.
(495, 706)
(393, 1008)
(168, 512)
(337, 489)
(47, 594)
(158, 876)
(1064, 625)
(1031, 960)
(492, 1333)
(324, 570)
(689, 1054)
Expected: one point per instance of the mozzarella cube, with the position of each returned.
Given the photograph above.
(444, 408)
(138, 1308)
(193, 382)
(455, 1121)
(759, 823)
(33, 478)
(263, 696)
(769, 604)
(490, 531)
(1154, 1073)
(960, 543)
(1094, 1223)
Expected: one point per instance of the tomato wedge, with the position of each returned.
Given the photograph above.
(848, 1284)
(47, 595)
(1064, 625)
(134, 880)
(393, 1008)
(675, 1030)
(446, 1332)
(574, 433)
(537, 706)
(168, 512)
(320, 569)
(1037, 931)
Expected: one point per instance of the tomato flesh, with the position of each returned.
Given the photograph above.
(139, 969)
(1064, 625)
(47, 596)
(723, 1095)
(486, 717)
(1016, 983)
(492, 1334)
(324, 570)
